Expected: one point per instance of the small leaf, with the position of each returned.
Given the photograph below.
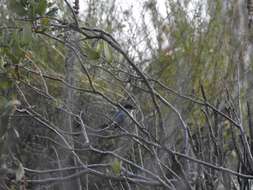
(26, 34)
(3, 101)
(116, 167)
(42, 6)
(107, 53)
(100, 47)
(45, 21)
(5, 84)
(91, 53)
(58, 103)
(32, 8)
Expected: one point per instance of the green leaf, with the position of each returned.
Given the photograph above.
(11, 55)
(5, 84)
(3, 101)
(107, 53)
(41, 8)
(91, 53)
(45, 22)
(32, 8)
(100, 47)
(26, 34)
(116, 166)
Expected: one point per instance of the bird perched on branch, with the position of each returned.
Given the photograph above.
(109, 132)
(120, 116)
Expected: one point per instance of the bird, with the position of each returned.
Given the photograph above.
(119, 117)
(118, 122)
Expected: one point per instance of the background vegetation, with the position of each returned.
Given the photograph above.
(185, 66)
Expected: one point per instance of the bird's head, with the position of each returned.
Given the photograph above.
(129, 106)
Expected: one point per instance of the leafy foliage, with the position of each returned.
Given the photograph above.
(28, 7)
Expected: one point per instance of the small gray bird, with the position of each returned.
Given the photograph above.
(120, 116)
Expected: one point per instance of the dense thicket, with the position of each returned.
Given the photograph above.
(98, 95)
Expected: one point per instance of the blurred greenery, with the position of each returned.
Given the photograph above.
(181, 48)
